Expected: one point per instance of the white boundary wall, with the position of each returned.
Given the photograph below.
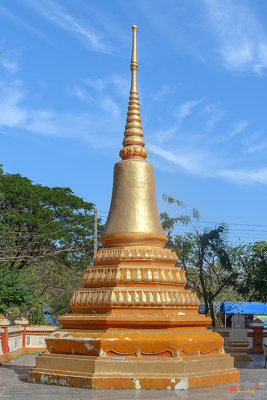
(23, 338)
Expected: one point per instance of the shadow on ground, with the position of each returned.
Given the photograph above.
(256, 363)
(21, 370)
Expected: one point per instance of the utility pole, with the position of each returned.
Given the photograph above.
(95, 231)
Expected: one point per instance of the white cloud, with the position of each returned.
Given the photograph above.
(97, 84)
(56, 14)
(86, 126)
(119, 83)
(215, 115)
(10, 65)
(253, 143)
(4, 11)
(101, 88)
(80, 93)
(108, 104)
(162, 93)
(239, 127)
(256, 147)
(246, 176)
(198, 163)
(103, 119)
(242, 39)
(203, 154)
(186, 108)
(212, 121)
(164, 134)
(188, 160)
(12, 113)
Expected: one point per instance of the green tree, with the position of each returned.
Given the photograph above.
(46, 240)
(13, 290)
(252, 262)
(204, 257)
(51, 284)
(41, 222)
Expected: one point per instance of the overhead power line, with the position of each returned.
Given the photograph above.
(230, 223)
(215, 222)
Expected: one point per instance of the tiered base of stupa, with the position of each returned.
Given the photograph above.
(180, 358)
(134, 326)
(133, 373)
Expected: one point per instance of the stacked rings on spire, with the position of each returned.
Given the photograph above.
(133, 143)
(133, 134)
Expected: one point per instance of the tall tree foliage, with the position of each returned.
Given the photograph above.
(51, 284)
(252, 263)
(41, 222)
(204, 256)
(43, 231)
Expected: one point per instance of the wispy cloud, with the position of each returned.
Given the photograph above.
(85, 125)
(242, 39)
(203, 164)
(246, 176)
(254, 142)
(202, 145)
(239, 127)
(191, 161)
(259, 147)
(80, 93)
(56, 14)
(164, 134)
(109, 104)
(11, 97)
(120, 84)
(97, 84)
(10, 66)
(179, 113)
(162, 93)
(19, 21)
(185, 109)
(215, 114)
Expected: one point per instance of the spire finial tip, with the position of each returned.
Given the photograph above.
(134, 28)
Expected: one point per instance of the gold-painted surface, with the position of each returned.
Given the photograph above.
(132, 240)
(104, 256)
(133, 151)
(133, 135)
(133, 274)
(134, 297)
(133, 206)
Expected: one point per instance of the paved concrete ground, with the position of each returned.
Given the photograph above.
(14, 385)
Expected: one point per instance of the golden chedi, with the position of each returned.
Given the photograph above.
(134, 325)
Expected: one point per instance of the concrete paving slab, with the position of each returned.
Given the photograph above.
(14, 385)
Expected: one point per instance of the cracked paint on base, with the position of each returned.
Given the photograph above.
(179, 383)
(137, 384)
(182, 384)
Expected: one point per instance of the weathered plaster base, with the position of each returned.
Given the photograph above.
(130, 373)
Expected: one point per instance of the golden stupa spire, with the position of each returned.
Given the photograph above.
(133, 143)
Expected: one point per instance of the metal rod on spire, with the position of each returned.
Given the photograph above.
(133, 143)
(134, 65)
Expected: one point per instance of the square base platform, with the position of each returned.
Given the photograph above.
(133, 373)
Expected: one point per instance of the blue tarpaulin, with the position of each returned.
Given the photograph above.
(229, 307)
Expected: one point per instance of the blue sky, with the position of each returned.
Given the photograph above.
(64, 85)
